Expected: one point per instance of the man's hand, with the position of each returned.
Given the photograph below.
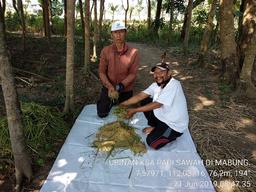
(111, 89)
(113, 94)
(130, 113)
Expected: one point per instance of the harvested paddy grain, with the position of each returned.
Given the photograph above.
(120, 112)
(118, 135)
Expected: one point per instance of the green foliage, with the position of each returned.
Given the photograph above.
(57, 7)
(195, 36)
(43, 127)
(177, 4)
(58, 25)
(158, 23)
(12, 21)
(200, 16)
(138, 32)
(34, 23)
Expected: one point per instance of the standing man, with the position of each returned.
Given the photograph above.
(117, 70)
(165, 107)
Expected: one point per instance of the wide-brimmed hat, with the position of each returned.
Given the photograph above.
(118, 25)
(162, 66)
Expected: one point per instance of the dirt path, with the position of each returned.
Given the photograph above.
(223, 127)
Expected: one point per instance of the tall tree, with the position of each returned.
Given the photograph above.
(102, 9)
(240, 20)
(207, 33)
(113, 9)
(95, 33)
(248, 49)
(157, 18)
(69, 102)
(229, 59)
(65, 17)
(46, 18)
(2, 13)
(50, 16)
(87, 36)
(125, 11)
(132, 8)
(81, 9)
(18, 6)
(187, 27)
(21, 157)
(139, 7)
(149, 15)
(195, 4)
(171, 15)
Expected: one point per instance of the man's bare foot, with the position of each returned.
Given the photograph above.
(147, 130)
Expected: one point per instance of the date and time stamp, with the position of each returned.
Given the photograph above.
(233, 173)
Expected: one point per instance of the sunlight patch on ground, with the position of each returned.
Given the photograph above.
(175, 63)
(175, 72)
(186, 78)
(254, 154)
(251, 137)
(204, 102)
(226, 185)
(246, 122)
(142, 67)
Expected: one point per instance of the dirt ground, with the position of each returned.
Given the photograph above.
(223, 127)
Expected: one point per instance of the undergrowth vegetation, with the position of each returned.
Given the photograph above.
(43, 128)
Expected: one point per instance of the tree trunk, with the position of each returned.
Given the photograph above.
(50, 17)
(195, 4)
(187, 27)
(246, 85)
(149, 15)
(69, 102)
(87, 36)
(95, 33)
(248, 49)
(157, 18)
(229, 58)
(46, 18)
(240, 20)
(19, 9)
(130, 13)
(65, 17)
(2, 14)
(102, 2)
(125, 11)
(171, 15)
(207, 33)
(247, 28)
(21, 158)
(82, 17)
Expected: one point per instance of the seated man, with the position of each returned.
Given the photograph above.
(165, 107)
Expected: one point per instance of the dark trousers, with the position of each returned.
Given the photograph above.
(162, 133)
(104, 104)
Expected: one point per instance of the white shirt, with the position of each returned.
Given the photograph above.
(174, 111)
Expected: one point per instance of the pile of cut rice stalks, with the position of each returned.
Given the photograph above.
(118, 135)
